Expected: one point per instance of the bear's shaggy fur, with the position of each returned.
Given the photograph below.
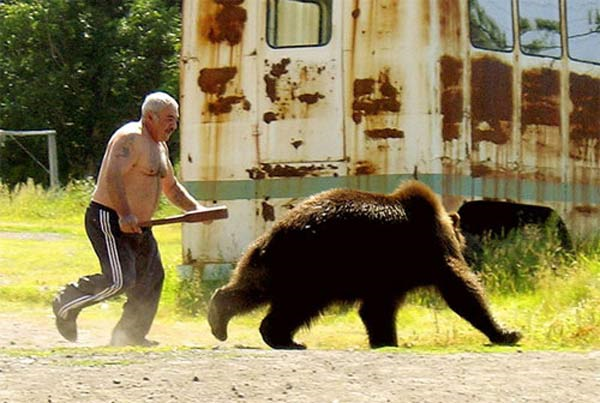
(345, 246)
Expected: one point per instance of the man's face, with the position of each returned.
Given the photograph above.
(165, 123)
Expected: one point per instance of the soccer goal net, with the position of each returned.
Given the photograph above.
(18, 135)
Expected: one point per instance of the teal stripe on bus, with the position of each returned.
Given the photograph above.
(457, 185)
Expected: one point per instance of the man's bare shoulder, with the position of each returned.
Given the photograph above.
(129, 128)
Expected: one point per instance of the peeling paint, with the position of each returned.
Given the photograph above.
(364, 168)
(387, 133)
(279, 69)
(271, 88)
(540, 97)
(310, 99)
(269, 117)
(214, 81)
(480, 170)
(283, 170)
(450, 22)
(228, 24)
(268, 211)
(585, 116)
(491, 79)
(451, 72)
(587, 209)
(368, 102)
(225, 104)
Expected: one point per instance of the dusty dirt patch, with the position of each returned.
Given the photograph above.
(226, 374)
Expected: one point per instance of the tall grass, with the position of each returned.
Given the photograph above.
(532, 284)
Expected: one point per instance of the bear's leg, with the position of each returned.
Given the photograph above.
(282, 322)
(225, 303)
(379, 317)
(461, 290)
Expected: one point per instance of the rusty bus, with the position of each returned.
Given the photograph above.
(482, 100)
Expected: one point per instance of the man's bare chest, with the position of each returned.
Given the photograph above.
(153, 160)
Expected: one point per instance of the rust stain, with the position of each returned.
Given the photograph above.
(214, 80)
(491, 100)
(364, 168)
(585, 116)
(387, 133)
(269, 117)
(356, 13)
(310, 99)
(586, 209)
(364, 86)
(279, 69)
(268, 212)
(281, 170)
(480, 170)
(369, 101)
(225, 104)
(450, 27)
(256, 173)
(452, 96)
(540, 98)
(271, 88)
(228, 24)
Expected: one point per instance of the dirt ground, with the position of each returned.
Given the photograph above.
(36, 365)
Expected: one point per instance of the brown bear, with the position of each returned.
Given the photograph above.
(344, 246)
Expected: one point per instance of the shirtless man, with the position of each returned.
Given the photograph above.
(134, 171)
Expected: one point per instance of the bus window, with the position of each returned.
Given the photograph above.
(298, 23)
(583, 30)
(491, 24)
(539, 27)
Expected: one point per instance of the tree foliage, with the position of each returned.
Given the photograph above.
(485, 32)
(81, 67)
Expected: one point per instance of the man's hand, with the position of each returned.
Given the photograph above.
(201, 207)
(129, 224)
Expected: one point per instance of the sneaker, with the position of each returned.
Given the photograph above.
(66, 327)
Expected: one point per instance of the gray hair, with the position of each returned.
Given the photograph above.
(156, 102)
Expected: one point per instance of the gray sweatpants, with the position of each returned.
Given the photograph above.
(130, 263)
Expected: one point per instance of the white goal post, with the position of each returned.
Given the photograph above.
(52, 168)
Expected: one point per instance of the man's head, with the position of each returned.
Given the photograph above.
(160, 115)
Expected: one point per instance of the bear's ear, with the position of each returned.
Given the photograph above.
(455, 220)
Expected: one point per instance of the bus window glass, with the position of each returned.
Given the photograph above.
(583, 30)
(298, 23)
(539, 27)
(491, 24)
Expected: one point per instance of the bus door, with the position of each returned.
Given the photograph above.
(300, 119)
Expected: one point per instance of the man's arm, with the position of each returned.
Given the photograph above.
(176, 193)
(120, 160)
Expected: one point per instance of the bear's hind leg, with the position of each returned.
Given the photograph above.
(463, 294)
(282, 322)
(379, 317)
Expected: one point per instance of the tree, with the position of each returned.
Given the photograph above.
(81, 67)
(485, 31)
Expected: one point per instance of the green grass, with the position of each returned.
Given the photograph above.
(532, 285)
